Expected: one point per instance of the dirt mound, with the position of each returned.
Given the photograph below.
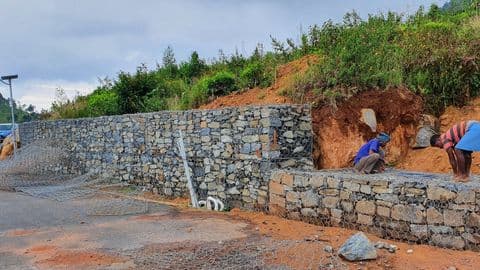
(271, 95)
(436, 160)
(340, 133)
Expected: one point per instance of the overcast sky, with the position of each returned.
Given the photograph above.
(69, 44)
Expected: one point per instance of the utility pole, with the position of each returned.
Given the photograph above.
(10, 78)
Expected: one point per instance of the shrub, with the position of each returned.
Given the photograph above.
(221, 83)
(102, 102)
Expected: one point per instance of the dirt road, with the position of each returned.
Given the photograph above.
(42, 234)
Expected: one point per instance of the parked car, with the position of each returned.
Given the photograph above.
(5, 130)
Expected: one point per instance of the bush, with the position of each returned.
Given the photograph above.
(254, 74)
(102, 102)
(221, 83)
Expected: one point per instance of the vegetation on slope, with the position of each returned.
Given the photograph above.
(434, 53)
(22, 113)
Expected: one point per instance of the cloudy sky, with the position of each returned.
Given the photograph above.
(70, 44)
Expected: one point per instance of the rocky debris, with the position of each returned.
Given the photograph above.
(409, 251)
(383, 245)
(328, 249)
(358, 248)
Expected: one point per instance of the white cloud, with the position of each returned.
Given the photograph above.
(41, 93)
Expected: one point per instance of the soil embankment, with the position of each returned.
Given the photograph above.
(435, 159)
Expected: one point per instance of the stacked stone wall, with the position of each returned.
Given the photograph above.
(414, 207)
(230, 151)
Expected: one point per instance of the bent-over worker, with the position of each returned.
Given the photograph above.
(460, 141)
(371, 157)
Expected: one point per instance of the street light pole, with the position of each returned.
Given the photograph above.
(14, 137)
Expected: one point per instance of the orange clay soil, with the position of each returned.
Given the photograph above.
(271, 95)
(64, 259)
(304, 252)
(435, 159)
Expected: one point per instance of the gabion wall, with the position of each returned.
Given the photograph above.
(414, 207)
(230, 151)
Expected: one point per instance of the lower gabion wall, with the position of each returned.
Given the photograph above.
(414, 207)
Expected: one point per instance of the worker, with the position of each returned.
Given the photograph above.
(459, 141)
(371, 156)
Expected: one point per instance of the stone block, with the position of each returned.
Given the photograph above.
(276, 188)
(277, 200)
(345, 194)
(336, 213)
(453, 218)
(383, 211)
(308, 212)
(465, 196)
(409, 213)
(414, 192)
(440, 194)
(330, 192)
(287, 179)
(316, 181)
(366, 189)
(471, 238)
(292, 196)
(364, 219)
(347, 206)
(333, 183)
(434, 216)
(330, 202)
(382, 190)
(300, 181)
(419, 231)
(351, 186)
(365, 207)
(473, 220)
(309, 198)
(448, 241)
(440, 229)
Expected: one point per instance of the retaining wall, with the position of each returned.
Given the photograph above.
(415, 207)
(231, 151)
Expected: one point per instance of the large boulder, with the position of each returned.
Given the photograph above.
(368, 117)
(427, 126)
(358, 248)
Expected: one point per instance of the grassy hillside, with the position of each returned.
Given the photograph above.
(434, 53)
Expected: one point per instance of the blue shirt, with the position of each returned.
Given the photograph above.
(373, 145)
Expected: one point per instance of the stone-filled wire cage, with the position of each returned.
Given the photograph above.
(230, 151)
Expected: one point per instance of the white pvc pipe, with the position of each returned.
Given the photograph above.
(181, 147)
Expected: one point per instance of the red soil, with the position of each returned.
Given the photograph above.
(270, 95)
(304, 252)
(67, 259)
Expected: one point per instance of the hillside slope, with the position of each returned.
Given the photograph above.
(271, 95)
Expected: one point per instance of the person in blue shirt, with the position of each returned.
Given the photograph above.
(370, 157)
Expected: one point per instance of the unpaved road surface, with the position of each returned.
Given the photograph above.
(105, 231)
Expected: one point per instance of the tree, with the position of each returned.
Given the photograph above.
(194, 67)
(169, 62)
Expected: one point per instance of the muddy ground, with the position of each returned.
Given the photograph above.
(42, 234)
